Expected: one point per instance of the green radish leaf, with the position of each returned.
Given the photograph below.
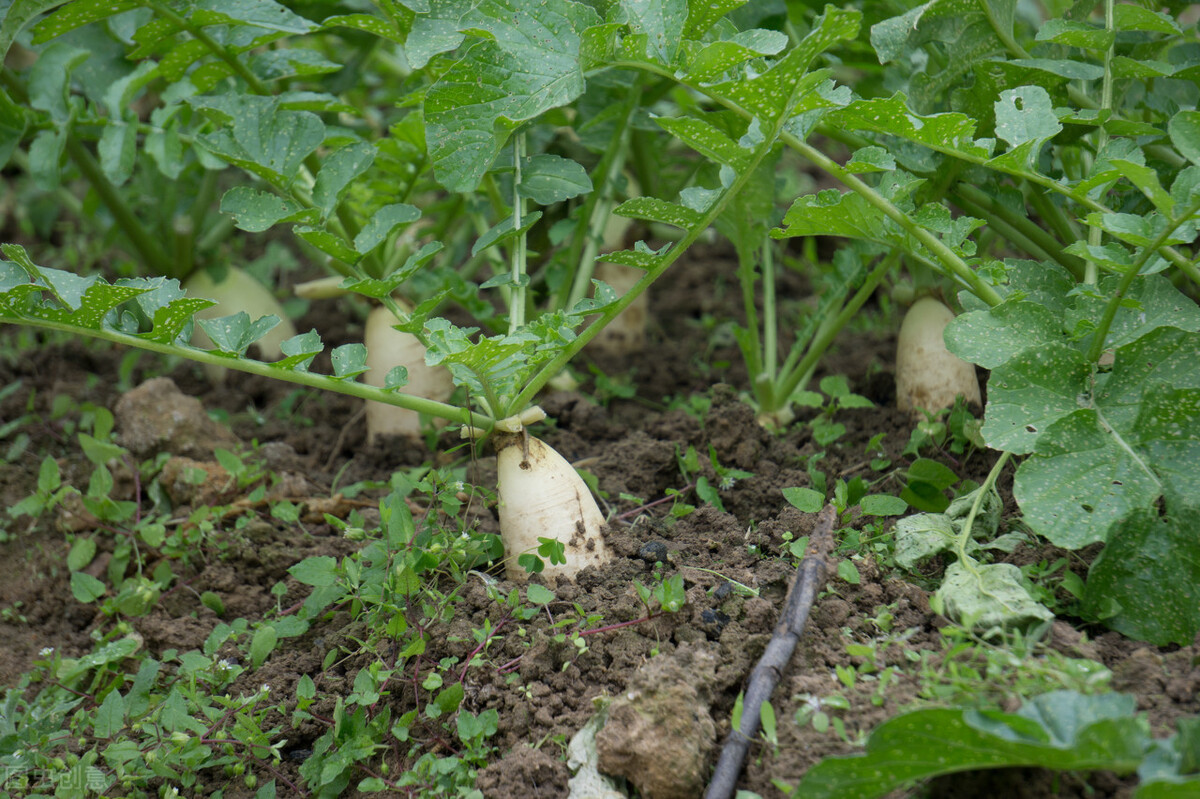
(529, 63)
(503, 231)
(255, 211)
(871, 159)
(1087, 473)
(170, 309)
(923, 536)
(1150, 568)
(235, 333)
(337, 172)
(1025, 114)
(1166, 355)
(641, 257)
(17, 16)
(259, 136)
(652, 209)
(719, 57)
(547, 179)
(381, 225)
(1031, 391)
(369, 23)
(329, 243)
(834, 213)
(989, 596)
(291, 62)
(1062, 67)
(949, 132)
(778, 92)
(701, 17)
(50, 80)
(258, 13)
(1150, 303)
(349, 360)
(1135, 229)
(117, 149)
(397, 377)
(1075, 34)
(436, 31)
(706, 140)
(993, 337)
(371, 287)
(76, 15)
(299, 351)
(1112, 256)
(1136, 18)
(660, 22)
(1146, 179)
(1184, 129)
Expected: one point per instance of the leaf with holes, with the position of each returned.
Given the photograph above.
(1031, 391)
(1089, 471)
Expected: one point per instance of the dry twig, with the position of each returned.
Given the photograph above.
(810, 576)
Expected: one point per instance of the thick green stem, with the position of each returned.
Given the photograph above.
(1114, 303)
(955, 265)
(827, 333)
(1018, 229)
(681, 246)
(153, 256)
(1091, 272)
(198, 33)
(516, 313)
(770, 332)
(594, 215)
(430, 407)
(964, 533)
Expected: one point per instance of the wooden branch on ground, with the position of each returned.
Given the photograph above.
(810, 576)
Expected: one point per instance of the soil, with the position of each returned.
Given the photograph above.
(736, 562)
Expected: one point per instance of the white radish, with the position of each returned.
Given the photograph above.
(388, 348)
(542, 496)
(929, 376)
(627, 332)
(238, 291)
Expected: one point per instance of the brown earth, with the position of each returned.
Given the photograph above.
(687, 384)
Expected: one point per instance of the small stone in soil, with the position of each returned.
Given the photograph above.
(714, 622)
(653, 552)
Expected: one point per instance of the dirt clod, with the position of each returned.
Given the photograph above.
(659, 732)
(157, 417)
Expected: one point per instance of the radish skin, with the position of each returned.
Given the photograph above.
(627, 332)
(238, 292)
(542, 496)
(929, 376)
(388, 348)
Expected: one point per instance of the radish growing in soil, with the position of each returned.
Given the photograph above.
(238, 291)
(388, 348)
(929, 376)
(542, 496)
